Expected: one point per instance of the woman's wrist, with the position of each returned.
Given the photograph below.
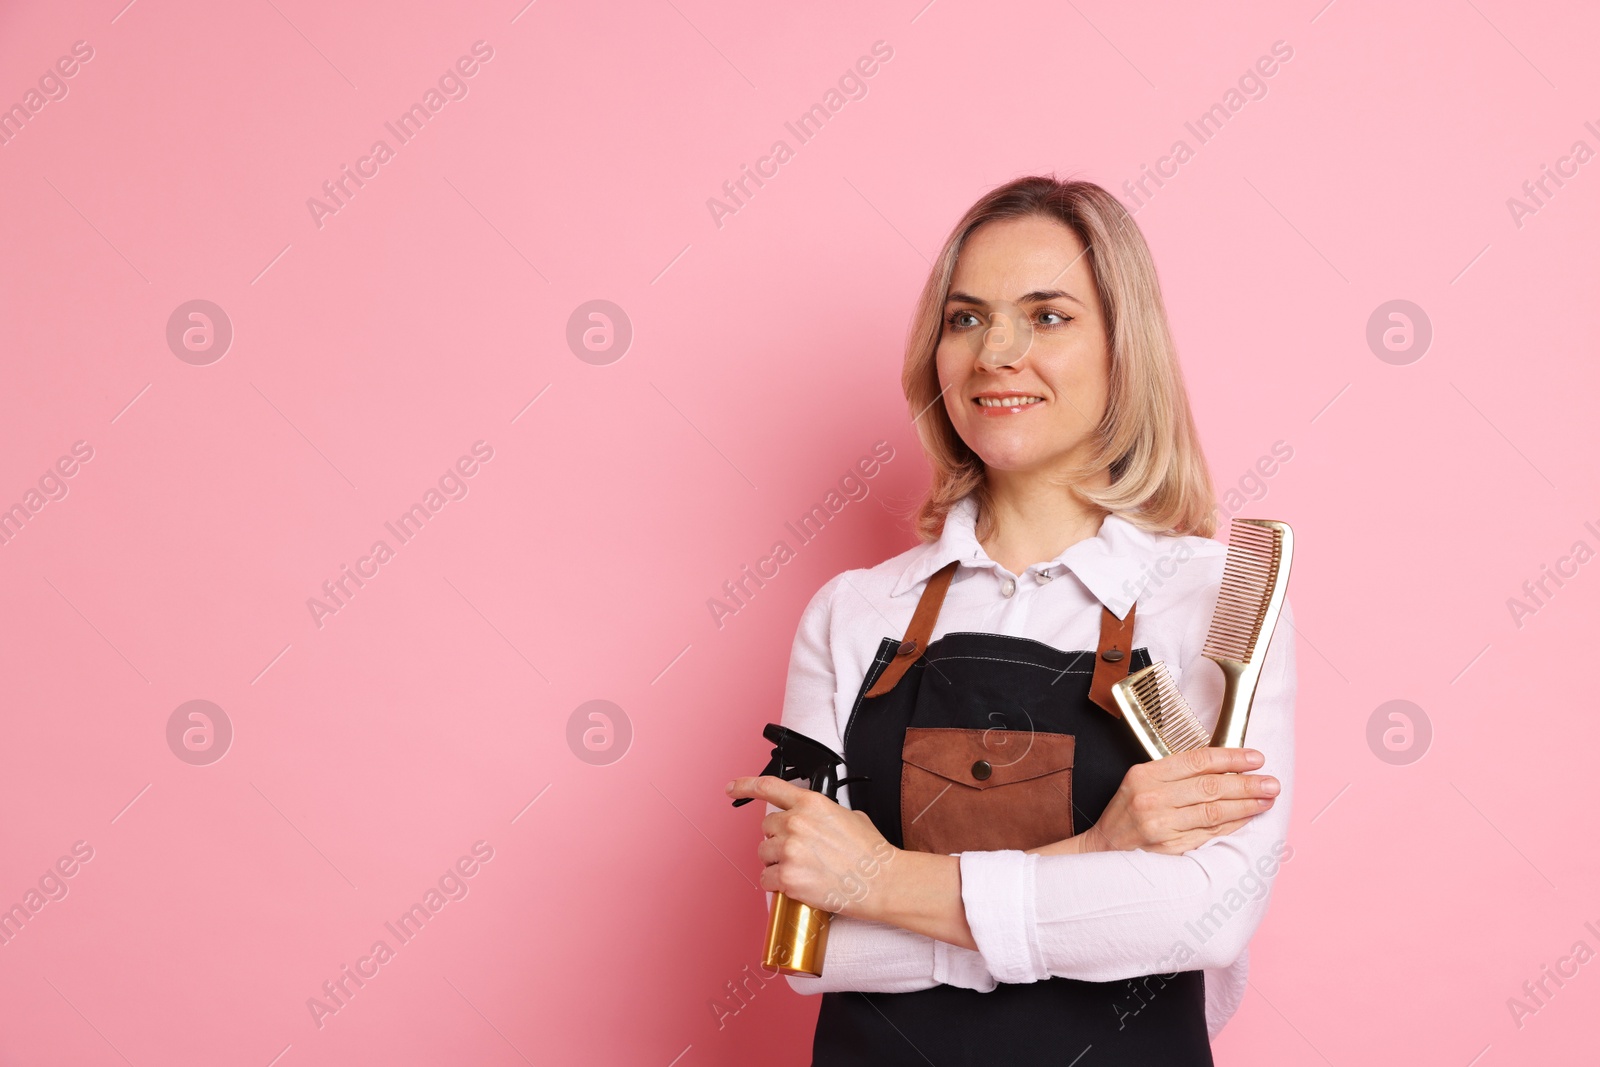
(920, 892)
(1091, 840)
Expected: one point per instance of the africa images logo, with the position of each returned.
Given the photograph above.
(852, 486)
(451, 85)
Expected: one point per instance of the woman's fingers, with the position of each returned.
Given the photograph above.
(1195, 761)
(772, 789)
(770, 850)
(1217, 813)
(1179, 802)
(815, 851)
(1207, 787)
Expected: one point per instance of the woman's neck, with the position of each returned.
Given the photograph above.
(1035, 519)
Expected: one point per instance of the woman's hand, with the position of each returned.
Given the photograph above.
(1176, 804)
(816, 850)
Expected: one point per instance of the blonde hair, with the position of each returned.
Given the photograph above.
(1146, 439)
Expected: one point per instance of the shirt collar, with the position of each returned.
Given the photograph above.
(1108, 564)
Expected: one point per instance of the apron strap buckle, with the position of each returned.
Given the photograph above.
(921, 628)
(1113, 658)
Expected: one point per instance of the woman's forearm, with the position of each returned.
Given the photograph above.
(920, 892)
(1072, 846)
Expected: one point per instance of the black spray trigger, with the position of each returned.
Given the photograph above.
(794, 755)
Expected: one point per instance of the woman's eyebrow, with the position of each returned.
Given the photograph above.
(1036, 297)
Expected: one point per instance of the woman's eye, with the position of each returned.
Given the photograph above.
(1046, 317)
(960, 318)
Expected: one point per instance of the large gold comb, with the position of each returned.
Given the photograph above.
(1254, 581)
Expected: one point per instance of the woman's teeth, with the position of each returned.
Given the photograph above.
(1008, 401)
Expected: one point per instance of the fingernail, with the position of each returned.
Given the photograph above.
(730, 786)
(1265, 802)
(1253, 758)
(1270, 787)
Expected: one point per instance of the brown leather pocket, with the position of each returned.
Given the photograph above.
(984, 790)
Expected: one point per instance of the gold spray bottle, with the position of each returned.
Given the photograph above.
(797, 934)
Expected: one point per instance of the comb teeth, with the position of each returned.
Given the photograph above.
(1255, 553)
(1167, 710)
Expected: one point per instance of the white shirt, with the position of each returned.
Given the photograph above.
(1101, 916)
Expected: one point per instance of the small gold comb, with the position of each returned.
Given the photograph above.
(1159, 715)
(1254, 581)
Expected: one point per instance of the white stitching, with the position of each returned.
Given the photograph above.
(882, 656)
(885, 656)
(1020, 662)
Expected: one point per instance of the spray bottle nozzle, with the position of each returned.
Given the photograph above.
(794, 755)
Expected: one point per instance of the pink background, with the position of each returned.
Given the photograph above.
(369, 353)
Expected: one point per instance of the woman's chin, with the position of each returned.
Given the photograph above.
(1023, 456)
(1012, 460)
(1018, 448)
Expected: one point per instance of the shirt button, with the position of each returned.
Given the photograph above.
(1008, 587)
(1045, 576)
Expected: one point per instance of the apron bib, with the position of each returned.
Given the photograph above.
(938, 729)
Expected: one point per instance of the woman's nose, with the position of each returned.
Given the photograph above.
(1005, 341)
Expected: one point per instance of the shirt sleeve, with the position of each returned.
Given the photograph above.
(861, 954)
(1108, 916)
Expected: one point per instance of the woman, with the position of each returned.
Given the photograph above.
(1067, 541)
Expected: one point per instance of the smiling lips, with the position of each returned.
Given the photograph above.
(1006, 403)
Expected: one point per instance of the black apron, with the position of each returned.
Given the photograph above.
(990, 681)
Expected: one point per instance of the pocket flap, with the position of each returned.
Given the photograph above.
(1008, 756)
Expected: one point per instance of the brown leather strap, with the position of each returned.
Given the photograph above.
(1112, 658)
(917, 634)
(1116, 639)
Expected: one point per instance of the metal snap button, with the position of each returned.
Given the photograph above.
(1112, 655)
(1008, 587)
(982, 770)
(906, 647)
(1045, 576)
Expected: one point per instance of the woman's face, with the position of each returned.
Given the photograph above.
(1023, 358)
